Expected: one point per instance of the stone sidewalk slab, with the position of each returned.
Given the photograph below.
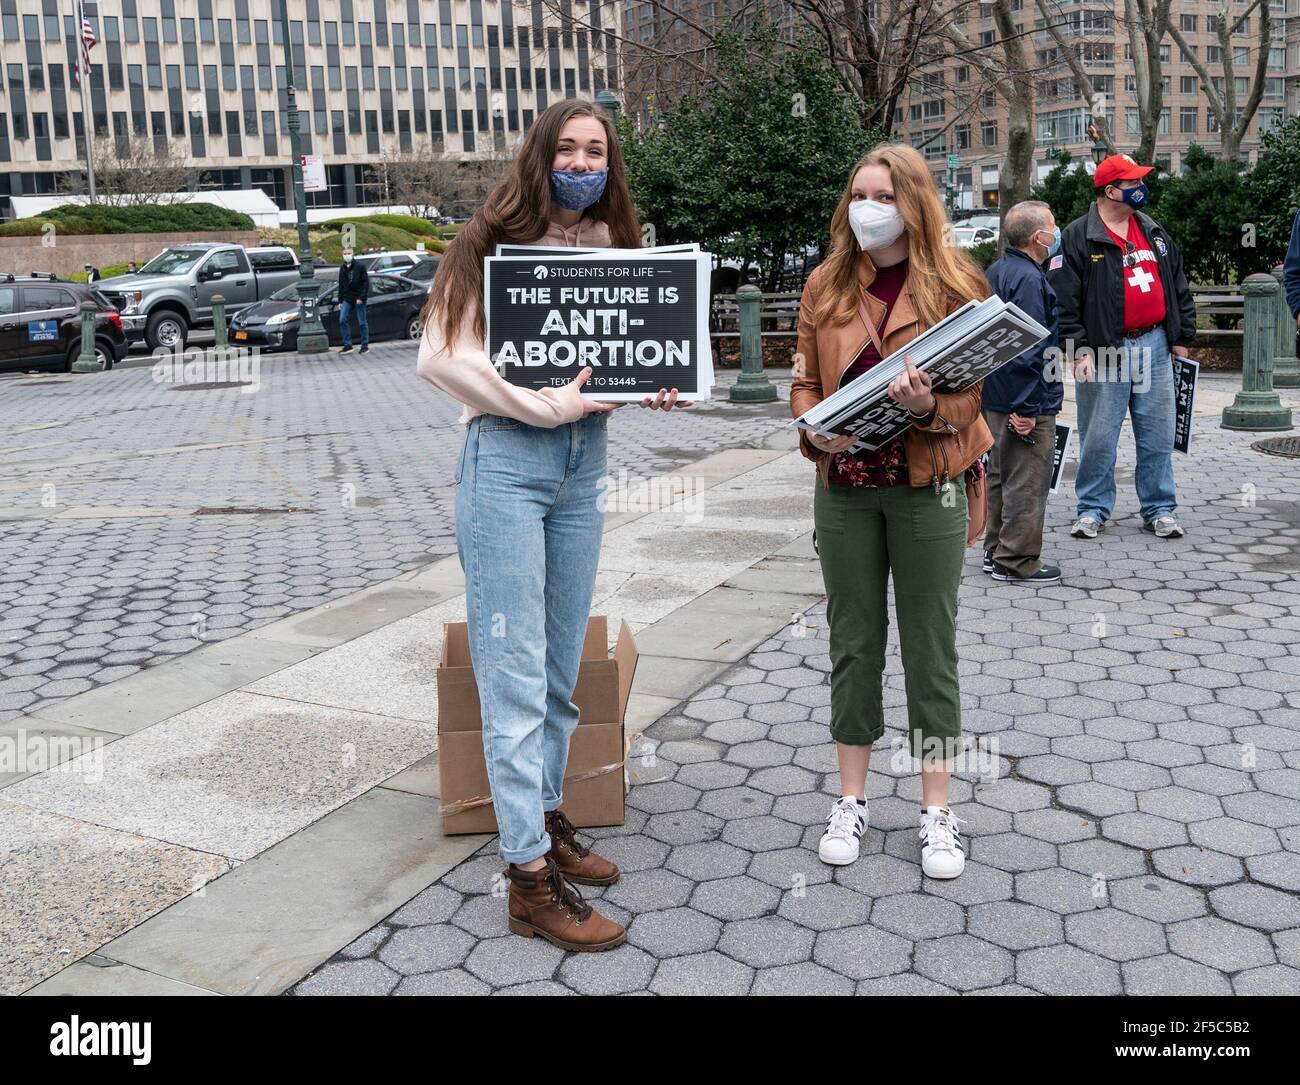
(235, 775)
(265, 924)
(68, 887)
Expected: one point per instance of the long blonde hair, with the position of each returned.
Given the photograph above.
(940, 277)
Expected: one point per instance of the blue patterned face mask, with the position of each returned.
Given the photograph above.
(575, 190)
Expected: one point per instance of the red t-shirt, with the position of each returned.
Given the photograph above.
(887, 465)
(1144, 294)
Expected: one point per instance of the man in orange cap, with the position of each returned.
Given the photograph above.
(1123, 306)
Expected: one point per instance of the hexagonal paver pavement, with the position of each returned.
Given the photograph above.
(1130, 805)
(144, 520)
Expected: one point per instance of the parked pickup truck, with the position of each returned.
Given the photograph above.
(172, 294)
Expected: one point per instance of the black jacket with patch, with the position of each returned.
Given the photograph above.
(1089, 284)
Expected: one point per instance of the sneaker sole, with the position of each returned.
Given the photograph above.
(838, 862)
(527, 930)
(943, 877)
(1025, 580)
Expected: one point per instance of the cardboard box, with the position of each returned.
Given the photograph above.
(604, 685)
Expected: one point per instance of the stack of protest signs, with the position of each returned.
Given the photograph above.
(964, 347)
(638, 317)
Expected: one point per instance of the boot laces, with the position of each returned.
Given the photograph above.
(564, 894)
(561, 828)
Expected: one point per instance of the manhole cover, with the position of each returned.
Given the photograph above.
(1280, 446)
(204, 385)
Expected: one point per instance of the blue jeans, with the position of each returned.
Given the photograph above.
(1142, 385)
(346, 309)
(529, 522)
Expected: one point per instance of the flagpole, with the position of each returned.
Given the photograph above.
(87, 117)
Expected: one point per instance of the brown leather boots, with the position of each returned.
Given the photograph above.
(578, 863)
(543, 902)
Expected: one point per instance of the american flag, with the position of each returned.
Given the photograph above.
(88, 42)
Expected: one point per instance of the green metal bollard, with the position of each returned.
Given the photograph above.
(86, 361)
(1286, 367)
(752, 386)
(1257, 406)
(219, 321)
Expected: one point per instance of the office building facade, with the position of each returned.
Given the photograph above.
(373, 78)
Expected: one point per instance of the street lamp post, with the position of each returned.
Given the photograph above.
(605, 98)
(311, 333)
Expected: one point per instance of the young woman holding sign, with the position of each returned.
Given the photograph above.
(900, 510)
(528, 516)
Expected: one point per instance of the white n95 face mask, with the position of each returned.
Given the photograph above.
(875, 225)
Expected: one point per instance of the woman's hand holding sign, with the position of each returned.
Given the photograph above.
(912, 390)
(592, 406)
(666, 400)
(832, 444)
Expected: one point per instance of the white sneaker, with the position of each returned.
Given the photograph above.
(942, 855)
(844, 828)
(1086, 527)
(1166, 527)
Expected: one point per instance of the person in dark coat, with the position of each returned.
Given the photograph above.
(354, 289)
(1291, 277)
(1020, 402)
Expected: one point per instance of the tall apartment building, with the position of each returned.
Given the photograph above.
(663, 54)
(944, 112)
(1292, 76)
(372, 77)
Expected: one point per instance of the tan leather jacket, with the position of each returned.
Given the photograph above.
(936, 452)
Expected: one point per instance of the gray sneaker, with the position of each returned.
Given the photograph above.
(1086, 527)
(1166, 527)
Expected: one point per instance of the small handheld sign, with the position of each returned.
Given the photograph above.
(1058, 456)
(1185, 374)
(640, 320)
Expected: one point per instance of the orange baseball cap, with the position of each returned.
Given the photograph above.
(1118, 167)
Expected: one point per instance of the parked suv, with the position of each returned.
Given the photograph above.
(40, 324)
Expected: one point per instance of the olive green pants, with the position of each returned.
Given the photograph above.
(919, 535)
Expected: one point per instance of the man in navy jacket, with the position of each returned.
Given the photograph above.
(1020, 403)
(1291, 273)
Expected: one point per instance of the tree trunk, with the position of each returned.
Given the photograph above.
(1016, 174)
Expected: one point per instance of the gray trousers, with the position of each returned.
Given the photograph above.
(1018, 479)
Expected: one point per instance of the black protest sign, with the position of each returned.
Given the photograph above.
(639, 320)
(1058, 456)
(1185, 374)
(982, 352)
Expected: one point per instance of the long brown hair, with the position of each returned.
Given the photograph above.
(940, 277)
(519, 211)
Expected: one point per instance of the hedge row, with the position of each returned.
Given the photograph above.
(149, 218)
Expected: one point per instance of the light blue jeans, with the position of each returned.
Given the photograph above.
(1141, 385)
(346, 309)
(529, 521)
